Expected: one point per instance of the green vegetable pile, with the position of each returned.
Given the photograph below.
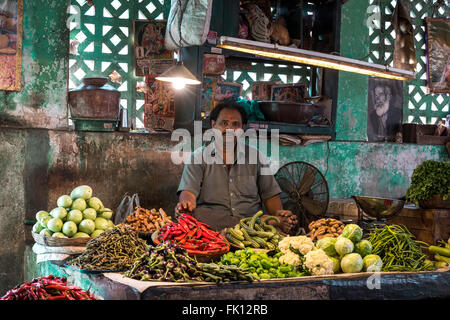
(349, 252)
(79, 215)
(260, 264)
(398, 249)
(441, 254)
(115, 249)
(254, 232)
(429, 178)
(170, 262)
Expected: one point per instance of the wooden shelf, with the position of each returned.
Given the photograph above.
(286, 128)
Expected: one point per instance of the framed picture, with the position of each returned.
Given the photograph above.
(438, 54)
(149, 46)
(289, 92)
(11, 15)
(261, 90)
(385, 109)
(227, 90)
(159, 108)
(208, 89)
(213, 64)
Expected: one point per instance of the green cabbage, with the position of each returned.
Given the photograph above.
(352, 262)
(327, 245)
(352, 232)
(372, 263)
(364, 247)
(336, 264)
(343, 246)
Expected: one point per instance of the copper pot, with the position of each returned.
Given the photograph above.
(94, 98)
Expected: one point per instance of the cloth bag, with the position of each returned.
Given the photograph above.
(126, 207)
(47, 253)
(191, 20)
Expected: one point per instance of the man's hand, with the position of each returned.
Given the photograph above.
(288, 221)
(185, 206)
(187, 203)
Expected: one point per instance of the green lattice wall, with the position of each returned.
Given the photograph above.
(268, 72)
(418, 105)
(105, 36)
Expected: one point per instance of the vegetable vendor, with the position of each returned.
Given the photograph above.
(224, 181)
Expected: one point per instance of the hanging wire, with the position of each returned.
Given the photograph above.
(179, 26)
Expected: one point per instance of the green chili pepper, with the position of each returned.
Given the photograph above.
(266, 264)
(285, 269)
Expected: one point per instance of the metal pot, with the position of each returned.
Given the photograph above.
(94, 98)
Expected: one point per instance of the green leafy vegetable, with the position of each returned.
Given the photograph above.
(429, 178)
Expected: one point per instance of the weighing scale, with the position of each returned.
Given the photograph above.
(373, 212)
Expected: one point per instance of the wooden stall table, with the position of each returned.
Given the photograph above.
(365, 286)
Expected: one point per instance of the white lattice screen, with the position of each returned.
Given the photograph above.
(418, 105)
(105, 36)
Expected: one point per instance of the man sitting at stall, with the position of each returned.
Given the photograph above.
(221, 194)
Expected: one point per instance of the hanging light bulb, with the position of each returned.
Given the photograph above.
(178, 84)
(179, 76)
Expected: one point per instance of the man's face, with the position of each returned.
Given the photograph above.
(229, 121)
(382, 98)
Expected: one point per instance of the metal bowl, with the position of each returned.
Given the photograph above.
(290, 112)
(379, 208)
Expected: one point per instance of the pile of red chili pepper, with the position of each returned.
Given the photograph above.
(195, 236)
(48, 288)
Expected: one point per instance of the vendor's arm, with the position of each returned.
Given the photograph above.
(190, 184)
(288, 220)
(273, 205)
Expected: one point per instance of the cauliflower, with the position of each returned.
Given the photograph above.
(318, 262)
(303, 244)
(290, 258)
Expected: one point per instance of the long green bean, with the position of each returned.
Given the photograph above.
(398, 249)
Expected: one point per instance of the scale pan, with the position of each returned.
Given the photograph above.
(379, 208)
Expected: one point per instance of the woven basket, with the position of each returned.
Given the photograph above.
(435, 202)
(60, 242)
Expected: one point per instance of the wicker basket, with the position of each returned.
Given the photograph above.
(60, 242)
(435, 202)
